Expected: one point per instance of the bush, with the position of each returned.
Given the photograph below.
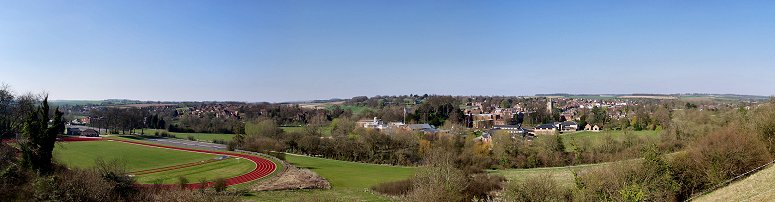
(191, 137)
(717, 157)
(483, 186)
(397, 188)
(220, 141)
(278, 155)
(219, 185)
(182, 182)
(537, 188)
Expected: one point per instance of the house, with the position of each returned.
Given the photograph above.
(73, 131)
(372, 123)
(594, 128)
(425, 128)
(481, 121)
(511, 129)
(545, 129)
(567, 126)
(486, 136)
(90, 133)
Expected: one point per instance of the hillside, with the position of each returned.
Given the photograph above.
(758, 187)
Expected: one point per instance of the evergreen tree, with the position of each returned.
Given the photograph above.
(38, 137)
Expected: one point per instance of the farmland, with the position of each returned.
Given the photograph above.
(349, 181)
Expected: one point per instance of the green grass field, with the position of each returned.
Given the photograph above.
(563, 175)
(136, 157)
(596, 138)
(758, 187)
(326, 131)
(355, 109)
(207, 137)
(350, 181)
(225, 168)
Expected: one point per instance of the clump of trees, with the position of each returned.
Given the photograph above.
(444, 176)
(28, 173)
(716, 146)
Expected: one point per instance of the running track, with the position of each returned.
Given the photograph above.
(263, 168)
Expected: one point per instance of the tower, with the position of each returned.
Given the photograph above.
(549, 105)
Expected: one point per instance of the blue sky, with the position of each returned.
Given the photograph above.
(302, 50)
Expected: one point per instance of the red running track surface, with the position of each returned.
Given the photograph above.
(263, 168)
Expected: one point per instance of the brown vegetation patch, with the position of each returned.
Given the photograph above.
(295, 178)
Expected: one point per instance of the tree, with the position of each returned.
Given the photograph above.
(38, 138)
(505, 104)
(440, 180)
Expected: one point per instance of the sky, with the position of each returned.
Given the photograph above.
(253, 50)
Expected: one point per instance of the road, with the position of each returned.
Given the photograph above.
(188, 143)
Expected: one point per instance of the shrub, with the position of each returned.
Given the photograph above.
(278, 155)
(191, 137)
(483, 186)
(182, 182)
(231, 145)
(537, 188)
(717, 157)
(219, 185)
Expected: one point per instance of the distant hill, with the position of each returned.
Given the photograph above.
(99, 102)
(659, 96)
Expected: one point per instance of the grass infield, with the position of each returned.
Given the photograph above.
(137, 158)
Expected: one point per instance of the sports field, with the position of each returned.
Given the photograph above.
(134, 157)
(207, 137)
(349, 181)
(154, 165)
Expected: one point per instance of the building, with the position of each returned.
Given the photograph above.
(511, 129)
(372, 123)
(545, 129)
(425, 128)
(549, 106)
(73, 131)
(481, 121)
(567, 126)
(90, 133)
(592, 128)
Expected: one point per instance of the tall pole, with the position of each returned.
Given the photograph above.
(404, 115)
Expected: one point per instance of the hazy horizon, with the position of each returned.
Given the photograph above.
(278, 51)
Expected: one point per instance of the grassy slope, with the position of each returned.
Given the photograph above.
(350, 181)
(599, 137)
(135, 157)
(211, 171)
(563, 175)
(758, 187)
